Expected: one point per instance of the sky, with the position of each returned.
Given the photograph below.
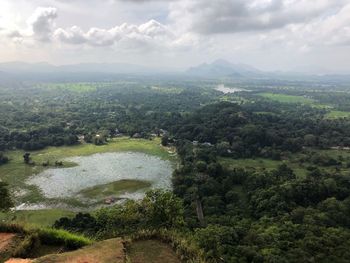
(287, 35)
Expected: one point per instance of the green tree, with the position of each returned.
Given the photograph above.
(163, 209)
(165, 140)
(5, 199)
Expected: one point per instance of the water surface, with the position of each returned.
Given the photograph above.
(227, 90)
(101, 169)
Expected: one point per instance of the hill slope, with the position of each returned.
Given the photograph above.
(107, 251)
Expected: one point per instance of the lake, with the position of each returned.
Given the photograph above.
(227, 90)
(101, 169)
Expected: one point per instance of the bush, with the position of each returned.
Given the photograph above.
(60, 237)
(12, 228)
(27, 246)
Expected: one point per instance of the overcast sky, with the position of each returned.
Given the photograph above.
(299, 35)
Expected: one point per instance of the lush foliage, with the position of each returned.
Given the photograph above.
(5, 199)
(218, 213)
(156, 210)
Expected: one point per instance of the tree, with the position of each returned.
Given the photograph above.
(26, 158)
(216, 240)
(3, 158)
(5, 200)
(165, 140)
(163, 209)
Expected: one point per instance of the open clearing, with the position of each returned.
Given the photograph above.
(35, 218)
(114, 188)
(261, 164)
(284, 98)
(300, 169)
(337, 114)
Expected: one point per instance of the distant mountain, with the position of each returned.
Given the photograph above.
(12, 72)
(223, 68)
(16, 66)
(105, 68)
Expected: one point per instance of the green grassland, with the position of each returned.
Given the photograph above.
(77, 87)
(284, 98)
(35, 218)
(105, 190)
(262, 164)
(300, 169)
(168, 90)
(337, 114)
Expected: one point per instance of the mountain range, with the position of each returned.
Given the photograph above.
(98, 71)
(223, 68)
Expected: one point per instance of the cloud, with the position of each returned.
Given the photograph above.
(136, 36)
(331, 30)
(232, 16)
(41, 22)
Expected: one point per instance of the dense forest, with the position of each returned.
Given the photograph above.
(229, 214)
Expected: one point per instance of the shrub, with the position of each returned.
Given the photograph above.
(12, 228)
(60, 237)
(28, 245)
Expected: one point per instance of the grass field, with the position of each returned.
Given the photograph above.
(300, 169)
(81, 87)
(337, 114)
(35, 218)
(261, 164)
(284, 98)
(102, 191)
(168, 90)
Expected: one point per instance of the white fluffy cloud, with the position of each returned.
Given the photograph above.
(151, 31)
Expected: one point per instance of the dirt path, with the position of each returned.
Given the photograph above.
(18, 260)
(5, 240)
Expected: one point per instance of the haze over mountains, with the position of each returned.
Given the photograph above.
(218, 69)
(223, 68)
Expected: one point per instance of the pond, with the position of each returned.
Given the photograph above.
(136, 172)
(227, 90)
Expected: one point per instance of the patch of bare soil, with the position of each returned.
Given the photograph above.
(5, 240)
(18, 260)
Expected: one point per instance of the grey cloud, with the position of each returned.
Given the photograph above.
(230, 16)
(42, 21)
